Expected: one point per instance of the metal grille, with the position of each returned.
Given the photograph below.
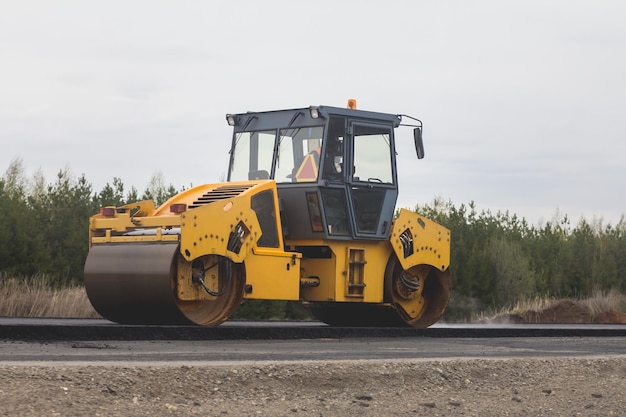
(220, 193)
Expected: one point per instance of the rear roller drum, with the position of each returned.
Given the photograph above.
(419, 295)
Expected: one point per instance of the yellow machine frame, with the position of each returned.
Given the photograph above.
(355, 268)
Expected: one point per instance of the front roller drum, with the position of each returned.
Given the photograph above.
(137, 283)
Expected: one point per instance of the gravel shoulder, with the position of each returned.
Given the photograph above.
(473, 387)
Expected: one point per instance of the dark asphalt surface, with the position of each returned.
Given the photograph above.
(96, 341)
(81, 329)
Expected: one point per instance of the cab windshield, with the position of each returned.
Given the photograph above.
(286, 155)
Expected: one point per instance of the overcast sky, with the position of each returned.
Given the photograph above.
(523, 102)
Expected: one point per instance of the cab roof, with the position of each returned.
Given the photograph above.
(306, 116)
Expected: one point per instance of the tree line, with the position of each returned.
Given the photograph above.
(44, 227)
(497, 258)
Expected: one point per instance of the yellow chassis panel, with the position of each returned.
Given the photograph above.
(334, 272)
(431, 241)
(272, 276)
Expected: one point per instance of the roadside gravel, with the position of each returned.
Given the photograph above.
(513, 387)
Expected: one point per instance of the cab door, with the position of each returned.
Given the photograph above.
(371, 178)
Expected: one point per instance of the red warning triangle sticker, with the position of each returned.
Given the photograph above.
(307, 170)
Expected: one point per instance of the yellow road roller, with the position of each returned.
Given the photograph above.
(307, 213)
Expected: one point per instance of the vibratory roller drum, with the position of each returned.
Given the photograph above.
(151, 283)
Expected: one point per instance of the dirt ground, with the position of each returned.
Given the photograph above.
(519, 387)
(594, 386)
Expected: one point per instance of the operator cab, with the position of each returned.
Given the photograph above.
(335, 168)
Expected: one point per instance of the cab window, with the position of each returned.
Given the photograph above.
(299, 154)
(372, 154)
(253, 153)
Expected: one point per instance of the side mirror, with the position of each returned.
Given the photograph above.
(419, 144)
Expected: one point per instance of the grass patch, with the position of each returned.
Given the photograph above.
(34, 297)
(602, 302)
(599, 302)
(601, 306)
